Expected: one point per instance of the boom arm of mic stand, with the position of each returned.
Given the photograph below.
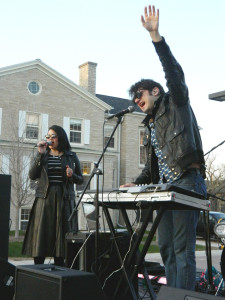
(214, 196)
(214, 148)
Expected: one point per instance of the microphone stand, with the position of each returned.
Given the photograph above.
(96, 171)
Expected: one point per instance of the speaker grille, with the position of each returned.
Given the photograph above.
(48, 282)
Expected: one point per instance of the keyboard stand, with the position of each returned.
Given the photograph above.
(135, 259)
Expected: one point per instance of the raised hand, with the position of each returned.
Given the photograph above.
(150, 22)
(151, 19)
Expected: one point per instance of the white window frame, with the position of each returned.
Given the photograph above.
(80, 121)
(0, 120)
(85, 130)
(34, 92)
(93, 181)
(4, 164)
(20, 218)
(1, 158)
(42, 125)
(140, 145)
(111, 128)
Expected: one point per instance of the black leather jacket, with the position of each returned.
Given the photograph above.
(38, 171)
(176, 127)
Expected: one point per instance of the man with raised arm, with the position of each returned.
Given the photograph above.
(174, 155)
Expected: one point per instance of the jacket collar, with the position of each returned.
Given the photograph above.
(66, 152)
(152, 116)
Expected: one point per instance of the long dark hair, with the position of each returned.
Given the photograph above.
(64, 143)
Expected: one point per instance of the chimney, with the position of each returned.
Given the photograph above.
(88, 76)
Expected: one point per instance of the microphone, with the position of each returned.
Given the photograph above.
(42, 145)
(130, 109)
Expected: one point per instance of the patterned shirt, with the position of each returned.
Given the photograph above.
(55, 170)
(164, 170)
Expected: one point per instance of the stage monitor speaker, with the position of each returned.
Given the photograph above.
(5, 191)
(7, 280)
(48, 282)
(108, 260)
(170, 293)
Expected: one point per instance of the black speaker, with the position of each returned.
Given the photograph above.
(170, 293)
(5, 191)
(74, 242)
(7, 280)
(47, 282)
(108, 261)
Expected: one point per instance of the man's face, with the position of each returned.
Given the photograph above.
(145, 100)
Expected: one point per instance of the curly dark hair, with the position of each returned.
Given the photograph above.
(145, 84)
(63, 140)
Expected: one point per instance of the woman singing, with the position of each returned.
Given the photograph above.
(56, 170)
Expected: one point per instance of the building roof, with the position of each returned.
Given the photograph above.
(112, 104)
(40, 65)
(219, 96)
(118, 104)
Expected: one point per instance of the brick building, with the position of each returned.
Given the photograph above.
(33, 96)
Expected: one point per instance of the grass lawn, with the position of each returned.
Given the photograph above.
(155, 248)
(12, 233)
(15, 248)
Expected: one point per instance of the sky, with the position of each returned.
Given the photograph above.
(67, 33)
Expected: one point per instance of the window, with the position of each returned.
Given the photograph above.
(75, 131)
(24, 218)
(4, 164)
(107, 133)
(32, 126)
(86, 171)
(0, 120)
(34, 87)
(1, 158)
(142, 155)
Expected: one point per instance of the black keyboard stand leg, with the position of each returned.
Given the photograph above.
(146, 246)
(135, 254)
(208, 250)
(129, 282)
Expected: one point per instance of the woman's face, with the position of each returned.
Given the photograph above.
(53, 138)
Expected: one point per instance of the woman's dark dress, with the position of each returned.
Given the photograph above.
(48, 222)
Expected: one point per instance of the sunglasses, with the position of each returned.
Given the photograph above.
(53, 136)
(137, 95)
